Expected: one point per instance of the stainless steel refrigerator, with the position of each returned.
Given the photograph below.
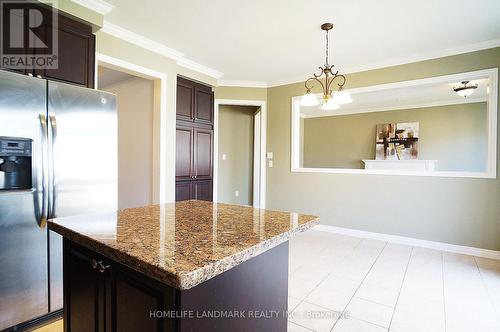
(58, 157)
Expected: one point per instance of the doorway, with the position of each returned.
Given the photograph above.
(239, 152)
(135, 110)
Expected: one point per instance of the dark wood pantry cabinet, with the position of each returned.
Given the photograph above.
(75, 47)
(194, 141)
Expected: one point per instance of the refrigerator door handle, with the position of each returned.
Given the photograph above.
(52, 191)
(41, 212)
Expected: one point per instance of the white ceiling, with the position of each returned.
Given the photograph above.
(107, 77)
(277, 41)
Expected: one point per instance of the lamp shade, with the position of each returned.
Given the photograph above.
(465, 92)
(330, 105)
(342, 97)
(309, 99)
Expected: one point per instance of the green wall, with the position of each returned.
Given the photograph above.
(226, 92)
(236, 134)
(454, 135)
(462, 211)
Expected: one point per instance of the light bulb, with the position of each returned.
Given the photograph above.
(329, 105)
(309, 99)
(342, 97)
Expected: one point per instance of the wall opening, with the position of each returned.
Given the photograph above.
(135, 106)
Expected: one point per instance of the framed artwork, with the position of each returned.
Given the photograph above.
(397, 141)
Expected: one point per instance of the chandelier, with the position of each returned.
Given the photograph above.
(330, 100)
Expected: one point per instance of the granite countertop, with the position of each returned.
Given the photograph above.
(186, 243)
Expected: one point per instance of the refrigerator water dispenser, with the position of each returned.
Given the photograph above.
(15, 163)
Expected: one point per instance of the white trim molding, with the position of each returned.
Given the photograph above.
(455, 248)
(395, 108)
(139, 40)
(491, 162)
(159, 48)
(98, 6)
(161, 179)
(261, 160)
(189, 64)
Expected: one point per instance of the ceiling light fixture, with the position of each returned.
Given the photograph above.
(465, 90)
(331, 100)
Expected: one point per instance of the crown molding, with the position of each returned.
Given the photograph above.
(98, 6)
(242, 84)
(139, 40)
(403, 60)
(159, 48)
(190, 64)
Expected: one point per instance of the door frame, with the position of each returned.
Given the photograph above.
(259, 148)
(160, 179)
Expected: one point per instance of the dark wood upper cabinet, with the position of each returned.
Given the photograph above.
(184, 153)
(204, 105)
(203, 146)
(76, 53)
(195, 102)
(185, 100)
(75, 49)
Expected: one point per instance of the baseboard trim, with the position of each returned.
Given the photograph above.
(486, 253)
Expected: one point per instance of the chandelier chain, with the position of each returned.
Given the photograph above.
(326, 64)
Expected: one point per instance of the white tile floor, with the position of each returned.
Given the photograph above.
(380, 286)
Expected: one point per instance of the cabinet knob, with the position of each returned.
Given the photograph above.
(103, 267)
(195, 176)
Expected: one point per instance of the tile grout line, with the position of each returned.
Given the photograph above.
(329, 273)
(492, 303)
(319, 283)
(400, 288)
(444, 300)
(367, 272)
(291, 322)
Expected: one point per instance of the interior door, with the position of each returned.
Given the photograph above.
(23, 234)
(83, 136)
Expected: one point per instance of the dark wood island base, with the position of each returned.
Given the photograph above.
(103, 295)
(184, 266)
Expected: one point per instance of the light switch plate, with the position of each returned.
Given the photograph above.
(269, 155)
(224, 156)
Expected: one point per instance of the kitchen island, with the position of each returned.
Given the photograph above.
(185, 266)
